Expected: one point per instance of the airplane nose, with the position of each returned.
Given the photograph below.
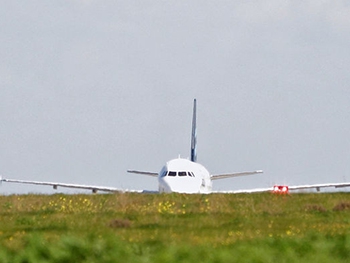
(164, 186)
(179, 185)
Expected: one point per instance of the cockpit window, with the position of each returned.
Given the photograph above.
(172, 173)
(182, 174)
(177, 173)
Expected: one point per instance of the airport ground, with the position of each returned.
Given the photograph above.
(175, 228)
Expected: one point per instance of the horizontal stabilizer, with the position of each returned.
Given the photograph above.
(222, 176)
(143, 172)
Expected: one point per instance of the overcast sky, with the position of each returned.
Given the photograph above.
(89, 89)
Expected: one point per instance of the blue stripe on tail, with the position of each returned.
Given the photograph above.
(194, 133)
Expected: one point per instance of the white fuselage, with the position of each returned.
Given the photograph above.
(184, 176)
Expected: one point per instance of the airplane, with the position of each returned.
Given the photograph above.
(182, 175)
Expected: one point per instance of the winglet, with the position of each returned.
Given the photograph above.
(194, 133)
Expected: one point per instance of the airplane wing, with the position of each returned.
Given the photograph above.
(93, 188)
(284, 189)
(143, 172)
(318, 186)
(245, 191)
(222, 176)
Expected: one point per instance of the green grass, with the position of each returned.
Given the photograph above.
(175, 228)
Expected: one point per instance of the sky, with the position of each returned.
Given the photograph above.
(89, 89)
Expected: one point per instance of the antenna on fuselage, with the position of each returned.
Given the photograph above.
(194, 133)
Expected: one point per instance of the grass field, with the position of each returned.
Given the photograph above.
(175, 228)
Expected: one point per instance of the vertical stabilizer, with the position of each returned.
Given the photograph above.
(194, 133)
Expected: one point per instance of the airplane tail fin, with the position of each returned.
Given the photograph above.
(194, 133)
